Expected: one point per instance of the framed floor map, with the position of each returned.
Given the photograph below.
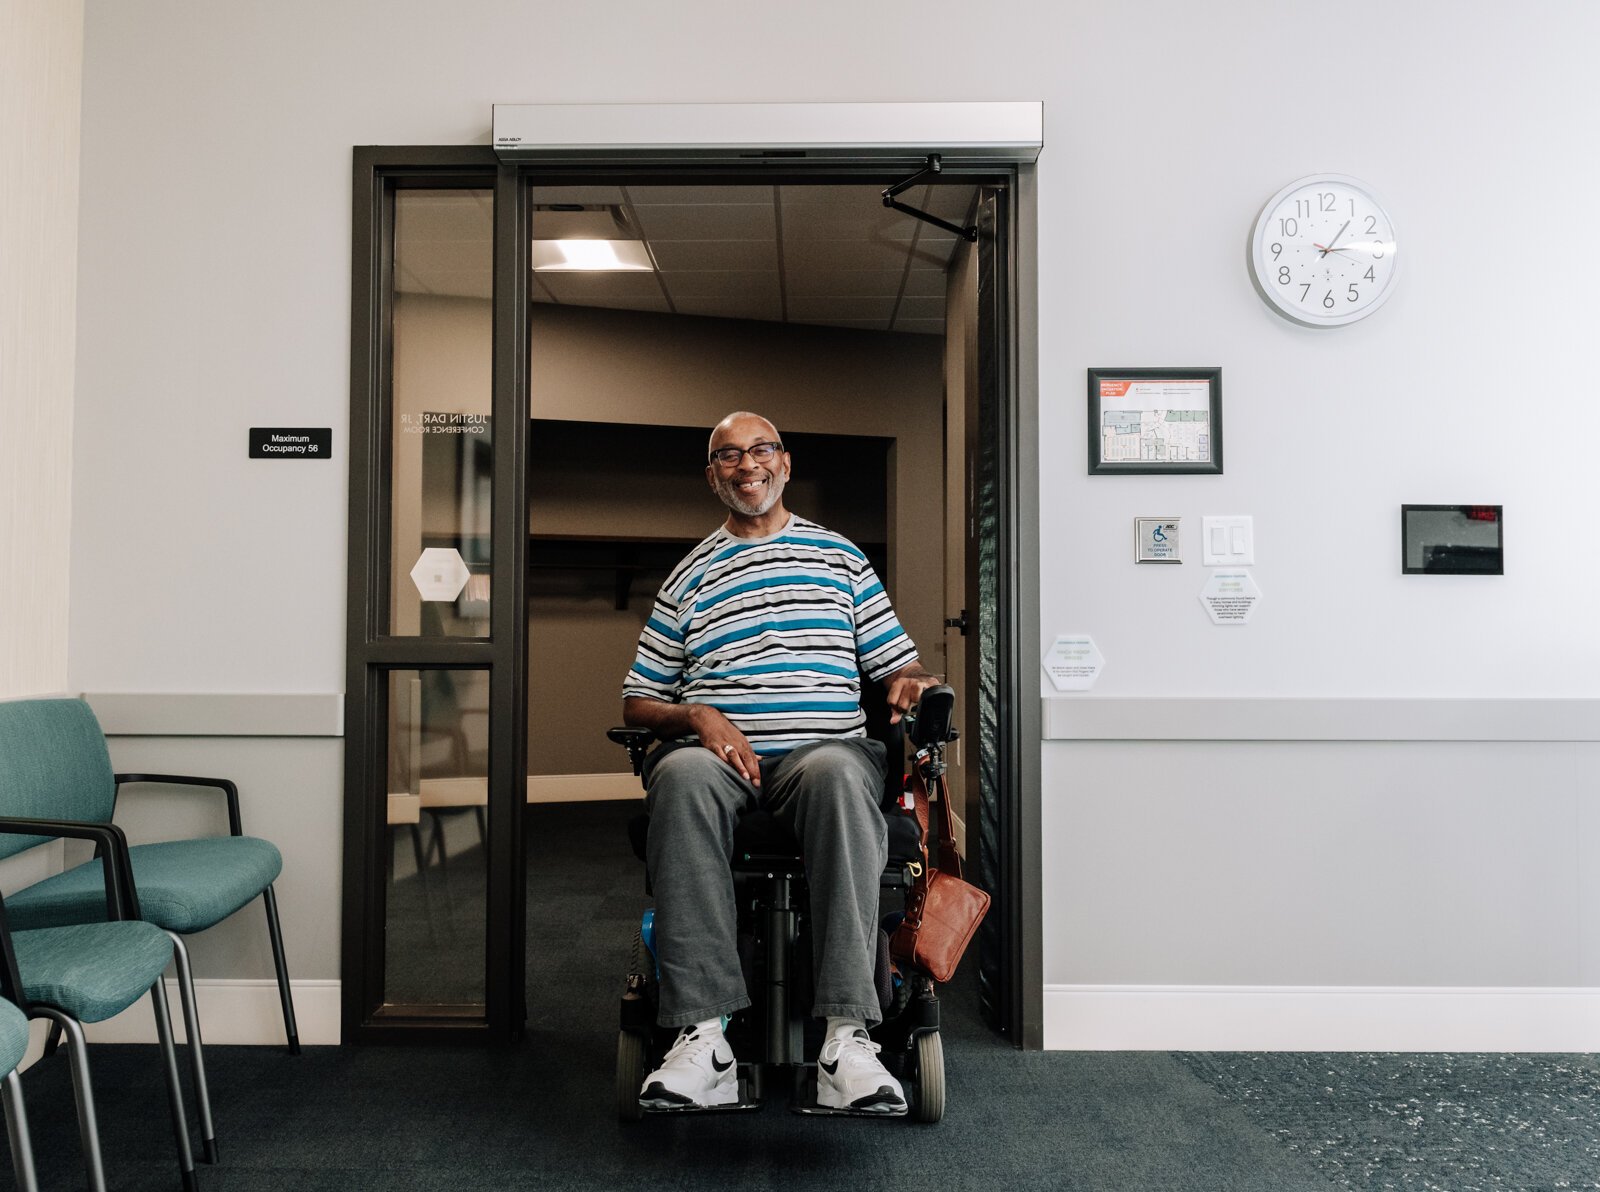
(1146, 421)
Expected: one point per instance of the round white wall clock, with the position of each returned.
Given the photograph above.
(1324, 251)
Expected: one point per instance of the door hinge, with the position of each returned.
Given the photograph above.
(957, 622)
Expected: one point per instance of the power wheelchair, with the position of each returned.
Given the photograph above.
(774, 1035)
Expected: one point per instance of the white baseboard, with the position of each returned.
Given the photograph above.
(233, 1012)
(1311, 1018)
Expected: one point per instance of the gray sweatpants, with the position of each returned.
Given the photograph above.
(826, 794)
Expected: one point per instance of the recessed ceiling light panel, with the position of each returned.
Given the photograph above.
(591, 256)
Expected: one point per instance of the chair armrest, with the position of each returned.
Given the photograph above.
(122, 902)
(636, 741)
(235, 826)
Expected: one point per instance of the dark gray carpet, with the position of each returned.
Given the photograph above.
(360, 1119)
(1456, 1123)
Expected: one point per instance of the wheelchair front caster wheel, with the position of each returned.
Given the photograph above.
(930, 1078)
(630, 1075)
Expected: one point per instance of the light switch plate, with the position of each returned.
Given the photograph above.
(1228, 541)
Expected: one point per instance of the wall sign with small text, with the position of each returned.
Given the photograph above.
(291, 442)
(1073, 662)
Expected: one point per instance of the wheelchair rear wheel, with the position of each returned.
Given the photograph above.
(630, 1075)
(930, 1078)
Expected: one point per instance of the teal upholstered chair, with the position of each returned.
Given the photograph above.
(88, 973)
(53, 763)
(13, 1045)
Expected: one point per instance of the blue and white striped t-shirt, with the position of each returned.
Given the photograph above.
(773, 632)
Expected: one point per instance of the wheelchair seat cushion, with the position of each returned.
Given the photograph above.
(92, 970)
(758, 834)
(183, 885)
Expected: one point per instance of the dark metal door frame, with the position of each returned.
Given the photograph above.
(1014, 943)
(371, 652)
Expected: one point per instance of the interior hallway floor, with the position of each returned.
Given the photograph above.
(541, 1116)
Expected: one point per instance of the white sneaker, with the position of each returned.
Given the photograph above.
(698, 1070)
(850, 1076)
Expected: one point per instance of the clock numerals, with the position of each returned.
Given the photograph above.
(1289, 227)
(1325, 201)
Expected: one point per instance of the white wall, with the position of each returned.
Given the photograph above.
(1465, 117)
(41, 65)
(214, 295)
(1184, 874)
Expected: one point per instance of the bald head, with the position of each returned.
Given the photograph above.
(742, 427)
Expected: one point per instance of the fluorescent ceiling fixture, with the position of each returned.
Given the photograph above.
(591, 256)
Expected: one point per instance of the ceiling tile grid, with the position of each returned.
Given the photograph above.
(826, 254)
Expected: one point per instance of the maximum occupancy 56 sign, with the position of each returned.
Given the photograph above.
(291, 442)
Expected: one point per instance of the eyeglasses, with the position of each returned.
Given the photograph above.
(760, 453)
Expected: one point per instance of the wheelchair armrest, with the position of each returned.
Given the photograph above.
(636, 741)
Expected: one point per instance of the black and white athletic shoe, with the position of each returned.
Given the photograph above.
(850, 1076)
(698, 1071)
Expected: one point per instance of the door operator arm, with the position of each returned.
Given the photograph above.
(891, 195)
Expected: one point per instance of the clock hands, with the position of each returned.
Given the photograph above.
(1335, 240)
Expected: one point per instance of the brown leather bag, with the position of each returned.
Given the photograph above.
(942, 910)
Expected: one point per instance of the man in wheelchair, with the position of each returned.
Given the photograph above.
(750, 670)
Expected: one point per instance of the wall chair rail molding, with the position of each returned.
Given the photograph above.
(1138, 718)
(218, 714)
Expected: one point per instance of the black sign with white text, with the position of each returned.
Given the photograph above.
(291, 442)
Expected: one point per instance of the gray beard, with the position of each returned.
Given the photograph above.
(738, 504)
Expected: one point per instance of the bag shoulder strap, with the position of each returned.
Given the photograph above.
(949, 856)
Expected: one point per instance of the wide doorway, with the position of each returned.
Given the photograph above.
(497, 887)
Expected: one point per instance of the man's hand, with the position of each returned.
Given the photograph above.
(906, 686)
(668, 721)
(717, 734)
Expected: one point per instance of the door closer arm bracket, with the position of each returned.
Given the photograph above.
(891, 195)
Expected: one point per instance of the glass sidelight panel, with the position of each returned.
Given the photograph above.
(437, 821)
(442, 470)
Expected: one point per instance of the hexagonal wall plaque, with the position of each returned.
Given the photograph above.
(440, 573)
(1230, 597)
(1073, 662)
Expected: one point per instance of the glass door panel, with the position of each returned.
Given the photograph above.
(442, 334)
(436, 818)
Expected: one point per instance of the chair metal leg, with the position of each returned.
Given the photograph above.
(169, 1057)
(83, 1094)
(17, 1131)
(275, 931)
(52, 1040)
(197, 1063)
